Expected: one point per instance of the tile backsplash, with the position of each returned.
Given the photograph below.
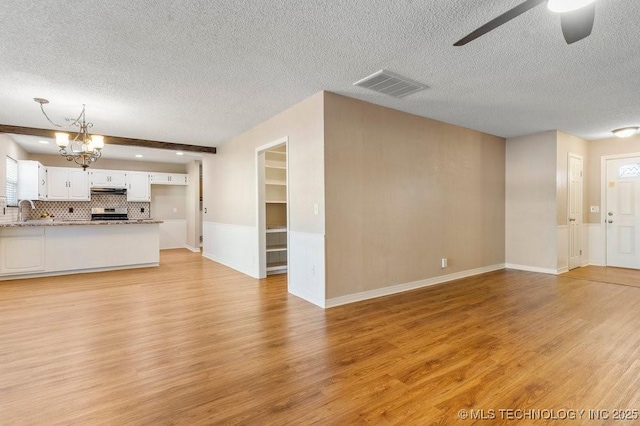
(8, 214)
(82, 209)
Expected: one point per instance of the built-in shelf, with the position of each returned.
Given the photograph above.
(276, 266)
(276, 230)
(275, 195)
(272, 164)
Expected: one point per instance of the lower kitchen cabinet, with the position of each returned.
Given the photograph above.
(50, 248)
(22, 251)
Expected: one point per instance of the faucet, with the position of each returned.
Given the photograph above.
(20, 218)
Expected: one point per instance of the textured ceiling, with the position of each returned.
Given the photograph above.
(201, 72)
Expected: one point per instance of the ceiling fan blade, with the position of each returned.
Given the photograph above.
(578, 24)
(500, 20)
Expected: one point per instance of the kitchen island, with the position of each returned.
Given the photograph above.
(56, 247)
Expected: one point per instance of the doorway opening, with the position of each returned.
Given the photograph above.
(273, 207)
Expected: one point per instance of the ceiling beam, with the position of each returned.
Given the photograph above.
(113, 140)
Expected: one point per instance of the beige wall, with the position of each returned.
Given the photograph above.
(107, 164)
(569, 144)
(164, 198)
(597, 150)
(8, 148)
(230, 186)
(402, 192)
(531, 198)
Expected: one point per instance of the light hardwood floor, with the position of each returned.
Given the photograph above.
(194, 343)
(606, 274)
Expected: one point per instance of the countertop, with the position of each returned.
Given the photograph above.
(77, 223)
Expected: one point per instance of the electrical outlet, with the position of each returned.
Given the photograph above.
(595, 209)
(70, 209)
(141, 209)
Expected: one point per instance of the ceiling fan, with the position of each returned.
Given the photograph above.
(576, 18)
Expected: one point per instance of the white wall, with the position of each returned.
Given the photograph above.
(230, 227)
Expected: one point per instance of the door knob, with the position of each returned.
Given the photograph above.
(610, 213)
(609, 221)
(572, 219)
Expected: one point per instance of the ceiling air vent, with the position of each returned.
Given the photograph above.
(390, 84)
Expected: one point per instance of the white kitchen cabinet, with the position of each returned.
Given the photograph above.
(67, 184)
(107, 178)
(32, 180)
(169, 179)
(139, 188)
(22, 250)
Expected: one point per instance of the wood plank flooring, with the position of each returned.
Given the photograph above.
(195, 343)
(606, 274)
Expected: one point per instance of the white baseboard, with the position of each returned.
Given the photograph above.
(193, 249)
(531, 269)
(385, 291)
(562, 270)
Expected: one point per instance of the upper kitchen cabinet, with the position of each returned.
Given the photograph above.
(169, 179)
(67, 184)
(107, 178)
(32, 180)
(139, 188)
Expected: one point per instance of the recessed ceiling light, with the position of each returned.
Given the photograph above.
(138, 155)
(179, 153)
(44, 142)
(625, 132)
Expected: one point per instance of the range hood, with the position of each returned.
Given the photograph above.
(112, 191)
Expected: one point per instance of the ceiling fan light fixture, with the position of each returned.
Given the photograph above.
(625, 132)
(562, 6)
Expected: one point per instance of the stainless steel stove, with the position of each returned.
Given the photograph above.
(109, 213)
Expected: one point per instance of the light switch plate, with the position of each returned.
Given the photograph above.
(595, 209)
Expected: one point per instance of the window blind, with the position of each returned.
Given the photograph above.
(12, 182)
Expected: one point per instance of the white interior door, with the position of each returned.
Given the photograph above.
(575, 210)
(622, 214)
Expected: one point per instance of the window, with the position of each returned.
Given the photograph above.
(630, 171)
(12, 182)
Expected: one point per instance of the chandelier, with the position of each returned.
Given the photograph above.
(84, 149)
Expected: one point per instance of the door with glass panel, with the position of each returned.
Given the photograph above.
(622, 214)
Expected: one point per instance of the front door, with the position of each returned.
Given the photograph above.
(622, 215)
(575, 210)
